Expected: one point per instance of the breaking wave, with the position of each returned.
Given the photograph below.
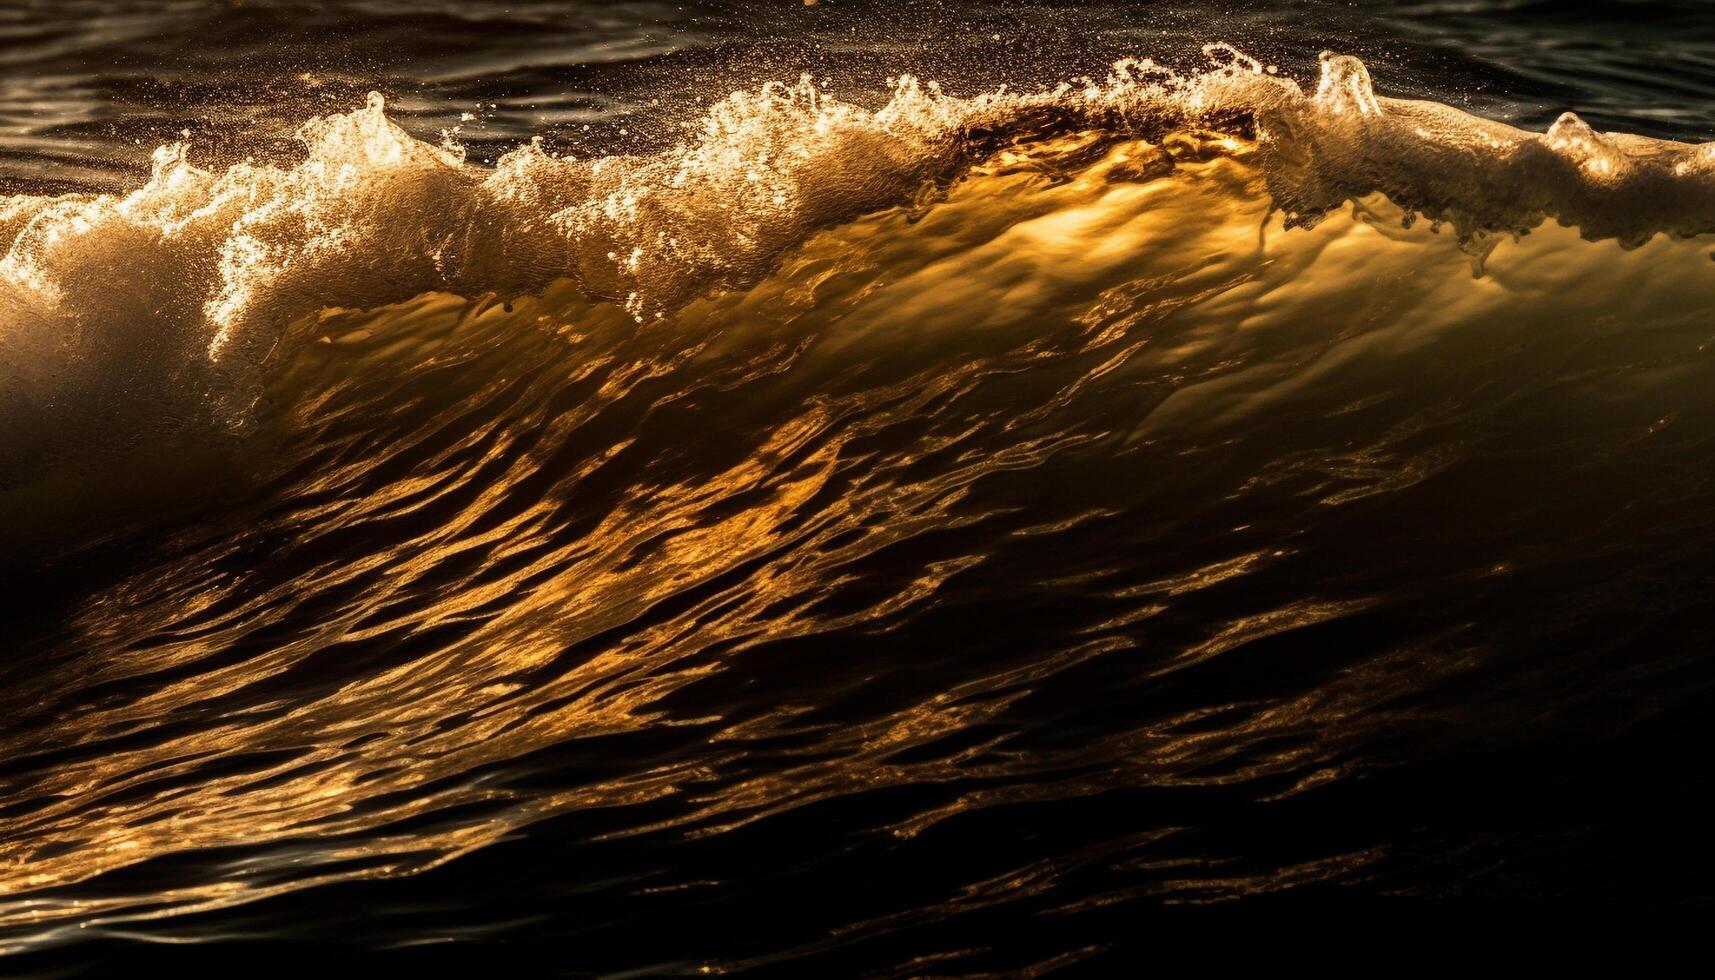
(129, 315)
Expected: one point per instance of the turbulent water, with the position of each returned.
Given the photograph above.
(998, 484)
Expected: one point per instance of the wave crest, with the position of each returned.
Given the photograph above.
(166, 302)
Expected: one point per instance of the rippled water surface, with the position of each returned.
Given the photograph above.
(476, 492)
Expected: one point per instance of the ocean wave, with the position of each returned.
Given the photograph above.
(129, 319)
(657, 496)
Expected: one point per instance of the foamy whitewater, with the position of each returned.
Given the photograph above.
(930, 533)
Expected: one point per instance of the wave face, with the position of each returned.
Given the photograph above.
(996, 515)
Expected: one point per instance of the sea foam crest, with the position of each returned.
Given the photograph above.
(194, 266)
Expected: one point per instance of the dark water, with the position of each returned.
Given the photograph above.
(921, 556)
